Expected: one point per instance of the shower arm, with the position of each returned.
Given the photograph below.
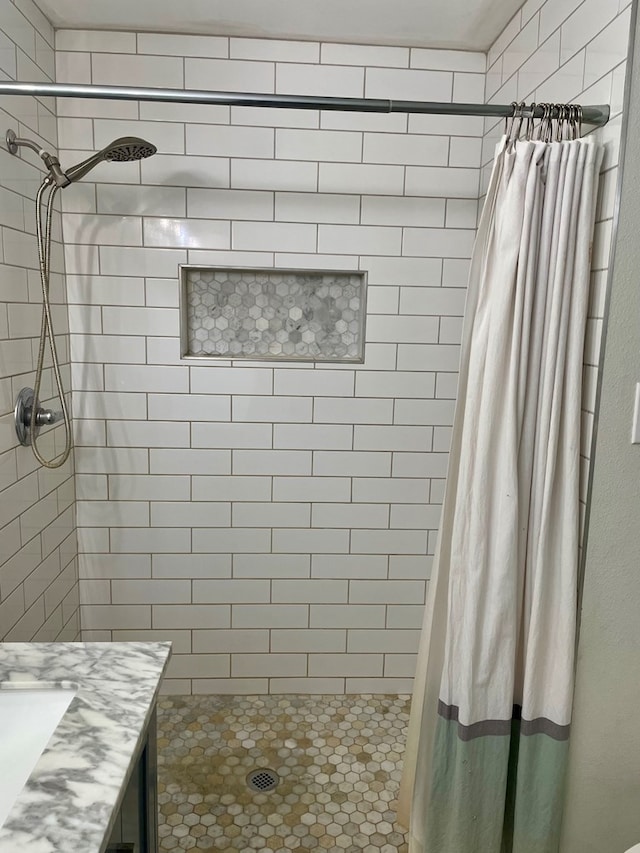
(593, 115)
(50, 160)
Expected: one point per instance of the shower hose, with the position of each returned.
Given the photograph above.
(46, 328)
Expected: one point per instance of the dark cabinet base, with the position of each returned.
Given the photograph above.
(136, 826)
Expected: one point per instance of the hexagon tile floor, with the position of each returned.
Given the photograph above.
(338, 760)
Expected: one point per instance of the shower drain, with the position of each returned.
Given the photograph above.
(262, 780)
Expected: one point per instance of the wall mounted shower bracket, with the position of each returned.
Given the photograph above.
(50, 160)
(12, 145)
(23, 415)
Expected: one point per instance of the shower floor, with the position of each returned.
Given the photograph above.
(338, 759)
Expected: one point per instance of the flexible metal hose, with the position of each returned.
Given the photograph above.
(46, 328)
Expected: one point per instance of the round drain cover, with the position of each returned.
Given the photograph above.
(263, 780)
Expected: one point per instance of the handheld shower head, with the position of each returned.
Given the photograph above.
(122, 150)
(128, 148)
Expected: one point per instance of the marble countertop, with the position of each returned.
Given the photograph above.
(71, 799)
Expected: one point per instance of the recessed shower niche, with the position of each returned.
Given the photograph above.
(281, 314)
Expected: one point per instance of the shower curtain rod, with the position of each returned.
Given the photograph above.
(594, 115)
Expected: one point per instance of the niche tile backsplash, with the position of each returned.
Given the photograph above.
(271, 314)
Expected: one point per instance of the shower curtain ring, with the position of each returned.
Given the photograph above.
(562, 132)
(558, 130)
(530, 125)
(545, 124)
(573, 121)
(559, 120)
(519, 116)
(537, 131)
(508, 120)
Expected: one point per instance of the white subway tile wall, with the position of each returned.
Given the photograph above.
(281, 520)
(570, 51)
(38, 545)
(256, 510)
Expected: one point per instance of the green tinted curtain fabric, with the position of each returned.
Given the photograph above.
(489, 731)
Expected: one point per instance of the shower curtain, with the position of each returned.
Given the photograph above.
(488, 738)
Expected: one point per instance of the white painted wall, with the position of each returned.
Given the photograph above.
(604, 770)
(460, 24)
(38, 567)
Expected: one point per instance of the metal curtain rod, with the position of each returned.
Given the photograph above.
(595, 115)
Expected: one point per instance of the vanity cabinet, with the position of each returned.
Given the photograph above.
(136, 824)
(95, 779)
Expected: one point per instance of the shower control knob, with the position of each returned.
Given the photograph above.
(44, 417)
(26, 423)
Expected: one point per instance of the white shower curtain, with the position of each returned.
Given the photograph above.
(488, 737)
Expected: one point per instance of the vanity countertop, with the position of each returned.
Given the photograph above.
(71, 799)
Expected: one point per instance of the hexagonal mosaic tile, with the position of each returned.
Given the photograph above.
(338, 760)
(248, 313)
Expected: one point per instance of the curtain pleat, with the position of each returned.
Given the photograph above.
(488, 736)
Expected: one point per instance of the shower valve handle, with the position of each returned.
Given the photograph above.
(30, 417)
(45, 417)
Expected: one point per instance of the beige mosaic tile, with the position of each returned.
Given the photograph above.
(338, 760)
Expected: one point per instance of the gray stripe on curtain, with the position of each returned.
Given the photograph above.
(484, 728)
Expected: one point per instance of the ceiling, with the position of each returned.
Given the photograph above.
(462, 24)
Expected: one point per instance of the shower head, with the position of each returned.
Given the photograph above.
(128, 148)
(122, 150)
